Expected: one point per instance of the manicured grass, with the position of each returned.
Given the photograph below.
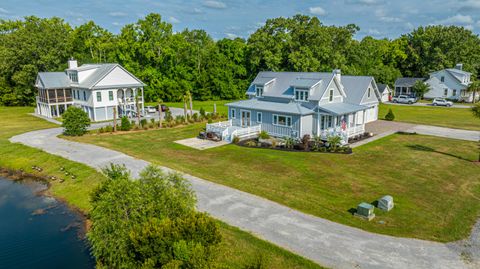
(207, 105)
(435, 185)
(460, 118)
(237, 249)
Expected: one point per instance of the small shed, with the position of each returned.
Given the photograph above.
(365, 211)
(385, 203)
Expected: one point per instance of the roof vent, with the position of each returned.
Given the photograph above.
(459, 66)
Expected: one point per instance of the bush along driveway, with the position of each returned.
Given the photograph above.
(326, 242)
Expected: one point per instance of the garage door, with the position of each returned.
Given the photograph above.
(371, 114)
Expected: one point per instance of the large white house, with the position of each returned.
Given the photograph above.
(96, 88)
(451, 83)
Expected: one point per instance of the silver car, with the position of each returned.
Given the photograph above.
(441, 102)
(150, 109)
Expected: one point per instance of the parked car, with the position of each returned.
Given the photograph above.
(150, 109)
(441, 102)
(164, 108)
(404, 99)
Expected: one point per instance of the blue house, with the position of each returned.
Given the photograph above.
(294, 104)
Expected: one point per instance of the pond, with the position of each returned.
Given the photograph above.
(38, 231)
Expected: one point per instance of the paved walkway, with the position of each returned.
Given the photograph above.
(201, 144)
(328, 243)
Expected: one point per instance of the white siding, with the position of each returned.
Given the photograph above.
(117, 77)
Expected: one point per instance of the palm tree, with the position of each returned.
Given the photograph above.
(473, 87)
(476, 113)
(420, 88)
(137, 104)
(189, 96)
(185, 98)
(115, 118)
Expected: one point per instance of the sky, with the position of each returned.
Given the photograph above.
(228, 18)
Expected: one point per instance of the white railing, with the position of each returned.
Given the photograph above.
(344, 134)
(219, 127)
(246, 131)
(356, 130)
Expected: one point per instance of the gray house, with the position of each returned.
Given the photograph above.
(404, 86)
(450, 83)
(294, 104)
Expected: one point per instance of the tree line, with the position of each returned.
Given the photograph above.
(173, 63)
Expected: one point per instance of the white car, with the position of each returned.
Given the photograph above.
(441, 102)
(150, 109)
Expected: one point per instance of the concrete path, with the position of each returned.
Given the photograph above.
(446, 132)
(327, 243)
(201, 144)
(430, 105)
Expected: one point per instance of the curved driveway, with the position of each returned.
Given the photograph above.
(327, 243)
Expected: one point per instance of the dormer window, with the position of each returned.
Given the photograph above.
(73, 76)
(369, 93)
(258, 91)
(330, 97)
(301, 95)
(442, 79)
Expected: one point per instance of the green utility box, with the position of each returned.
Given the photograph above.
(365, 211)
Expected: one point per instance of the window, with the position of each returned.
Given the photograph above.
(442, 79)
(232, 114)
(99, 96)
(454, 92)
(258, 91)
(259, 117)
(301, 95)
(369, 92)
(329, 121)
(330, 98)
(73, 76)
(445, 92)
(282, 120)
(110, 95)
(84, 96)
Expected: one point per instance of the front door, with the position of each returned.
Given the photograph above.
(245, 118)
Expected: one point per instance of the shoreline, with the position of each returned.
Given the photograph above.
(18, 175)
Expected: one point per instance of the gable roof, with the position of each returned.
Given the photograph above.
(382, 87)
(53, 80)
(281, 84)
(288, 107)
(406, 82)
(355, 87)
(341, 108)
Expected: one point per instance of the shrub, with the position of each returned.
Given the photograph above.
(334, 142)
(274, 144)
(195, 117)
(168, 116)
(251, 143)
(101, 130)
(259, 262)
(151, 125)
(202, 112)
(125, 124)
(179, 119)
(210, 121)
(75, 121)
(264, 135)
(235, 139)
(390, 116)
(143, 123)
(289, 142)
(108, 128)
(152, 121)
(155, 222)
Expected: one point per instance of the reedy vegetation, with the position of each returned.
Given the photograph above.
(173, 63)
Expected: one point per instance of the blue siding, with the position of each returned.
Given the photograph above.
(267, 122)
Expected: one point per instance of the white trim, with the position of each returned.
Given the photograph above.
(303, 91)
(250, 117)
(281, 115)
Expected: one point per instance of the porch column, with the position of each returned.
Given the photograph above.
(143, 101)
(124, 101)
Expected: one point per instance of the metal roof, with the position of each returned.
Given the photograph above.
(341, 108)
(53, 80)
(305, 83)
(382, 87)
(355, 87)
(280, 107)
(406, 82)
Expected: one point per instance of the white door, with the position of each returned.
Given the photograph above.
(245, 118)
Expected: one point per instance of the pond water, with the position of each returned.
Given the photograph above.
(38, 231)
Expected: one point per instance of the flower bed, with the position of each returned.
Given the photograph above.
(288, 144)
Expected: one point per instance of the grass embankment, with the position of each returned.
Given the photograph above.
(238, 247)
(434, 182)
(459, 118)
(207, 105)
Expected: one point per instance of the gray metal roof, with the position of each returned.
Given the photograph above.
(406, 82)
(284, 82)
(280, 107)
(382, 87)
(341, 108)
(53, 80)
(355, 87)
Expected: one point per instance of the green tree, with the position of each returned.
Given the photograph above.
(420, 88)
(125, 124)
(473, 88)
(150, 222)
(75, 121)
(390, 116)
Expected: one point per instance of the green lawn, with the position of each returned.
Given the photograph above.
(207, 105)
(237, 250)
(435, 185)
(460, 118)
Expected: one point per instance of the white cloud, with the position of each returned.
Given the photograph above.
(116, 23)
(173, 20)
(382, 15)
(390, 19)
(214, 4)
(231, 35)
(319, 11)
(117, 14)
(470, 4)
(457, 19)
(2, 10)
(408, 26)
(469, 27)
(374, 32)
